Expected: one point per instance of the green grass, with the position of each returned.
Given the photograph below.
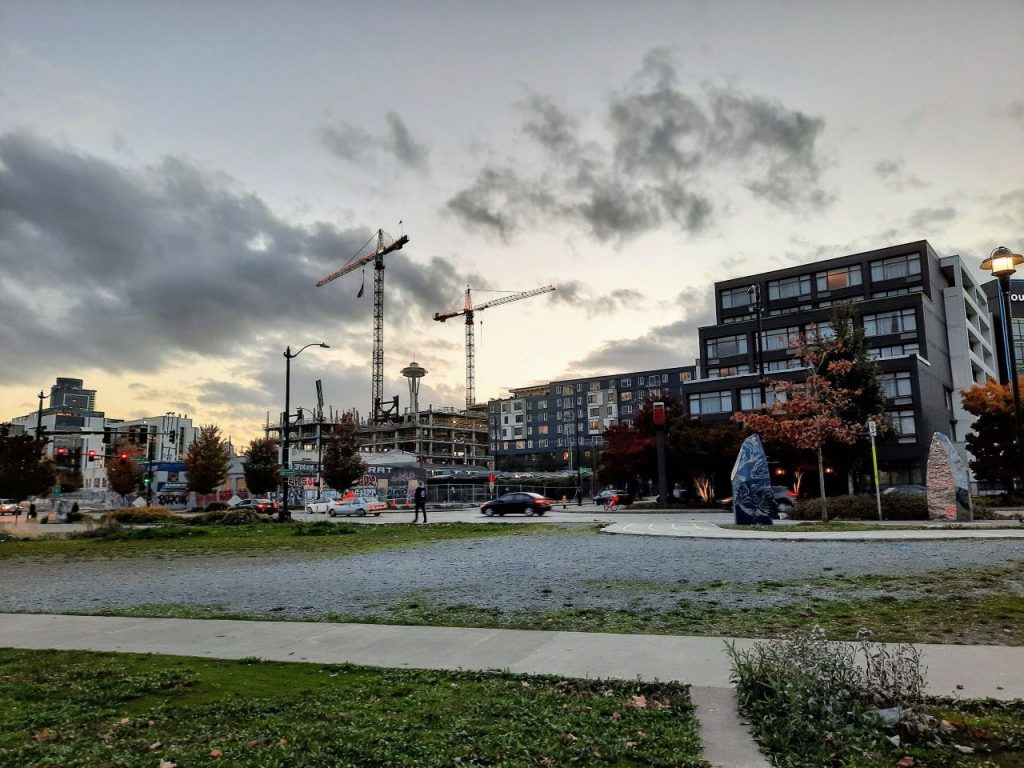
(325, 538)
(113, 710)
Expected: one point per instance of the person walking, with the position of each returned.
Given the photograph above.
(420, 501)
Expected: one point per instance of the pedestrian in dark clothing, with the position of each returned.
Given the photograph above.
(74, 508)
(420, 501)
(31, 510)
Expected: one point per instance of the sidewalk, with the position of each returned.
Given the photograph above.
(961, 671)
(787, 531)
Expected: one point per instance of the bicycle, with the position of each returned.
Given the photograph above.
(611, 505)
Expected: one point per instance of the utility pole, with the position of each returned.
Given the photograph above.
(39, 415)
(755, 295)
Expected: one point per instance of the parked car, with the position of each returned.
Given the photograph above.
(913, 490)
(9, 507)
(259, 505)
(529, 504)
(360, 507)
(625, 497)
(784, 498)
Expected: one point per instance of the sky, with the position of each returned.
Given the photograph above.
(176, 176)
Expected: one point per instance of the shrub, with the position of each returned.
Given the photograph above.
(229, 517)
(216, 506)
(325, 528)
(895, 506)
(813, 702)
(74, 517)
(117, 532)
(138, 515)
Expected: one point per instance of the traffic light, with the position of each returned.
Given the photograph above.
(107, 434)
(170, 437)
(147, 480)
(92, 455)
(124, 457)
(62, 451)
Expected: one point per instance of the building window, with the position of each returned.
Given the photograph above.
(529, 443)
(640, 381)
(885, 323)
(625, 382)
(595, 385)
(789, 288)
(685, 376)
(735, 297)
(654, 393)
(542, 443)
(664, 378)
(897, 266)
(895, 384)
(626, 396)
(593, 425)
(903, 423)
(719, 372)
(780, 338)
(836, 279)
(627, 410)
(894, 350)
(542, 430)
(750, 397)
(725, 346)
(821, 331)
(520, 444)
(711, 402)
(782, 365)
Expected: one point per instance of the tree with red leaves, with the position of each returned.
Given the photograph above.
(998, 457)
(808, 414)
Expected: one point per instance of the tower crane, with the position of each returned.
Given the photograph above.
(469, 310)
(385, 245)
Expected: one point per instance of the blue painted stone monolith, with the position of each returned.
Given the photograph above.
(752, 500)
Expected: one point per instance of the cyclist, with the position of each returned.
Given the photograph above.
(612, 504)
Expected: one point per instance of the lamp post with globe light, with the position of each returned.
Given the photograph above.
(287, 422)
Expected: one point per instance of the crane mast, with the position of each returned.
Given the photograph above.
(469, 311)
(384, 247)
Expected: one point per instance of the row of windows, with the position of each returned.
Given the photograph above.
(876, 324)
(829, 280)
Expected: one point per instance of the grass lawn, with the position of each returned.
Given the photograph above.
(321, 537)
(111, 710)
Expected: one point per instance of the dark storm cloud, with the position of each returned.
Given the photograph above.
(926, 218)
(131, 270)
(353, 144)
(665, 148)
(578, 295)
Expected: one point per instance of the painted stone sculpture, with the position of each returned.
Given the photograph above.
(752, 500)
(949, 494)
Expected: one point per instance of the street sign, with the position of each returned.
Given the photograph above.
(872, 429)
(287, 472)
(56, 491)
(491, 478)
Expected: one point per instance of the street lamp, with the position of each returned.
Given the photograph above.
(286, 426)
(1002, 263)
(755, 300)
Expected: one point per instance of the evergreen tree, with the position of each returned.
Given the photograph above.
(24, 469)
(207, 460)
(342, 464)
(261, 467)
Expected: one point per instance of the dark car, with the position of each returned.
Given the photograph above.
(260, 505)
(625, 497)
(528, 503)
(784, 498)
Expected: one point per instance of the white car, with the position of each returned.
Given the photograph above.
(319, 507)
(9, 507)
(357, 506)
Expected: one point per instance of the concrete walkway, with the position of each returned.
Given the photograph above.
(788, 532)
(701, 662)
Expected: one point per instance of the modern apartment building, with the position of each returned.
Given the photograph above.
(927, 321)
(561, 415)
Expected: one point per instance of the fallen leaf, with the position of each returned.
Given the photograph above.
(570, 737)
(630, 744)
(906, 762)
(616, 716)
(282, 742)
(640, 702)
(124, 720)
(216, 753)
(963, 749)
(155, 745)
(43, 735)
(167, 764)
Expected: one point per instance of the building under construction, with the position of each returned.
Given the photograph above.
(444, 437)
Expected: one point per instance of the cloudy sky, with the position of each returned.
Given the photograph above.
(175, 177)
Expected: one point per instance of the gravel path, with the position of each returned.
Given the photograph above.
(507, 573)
